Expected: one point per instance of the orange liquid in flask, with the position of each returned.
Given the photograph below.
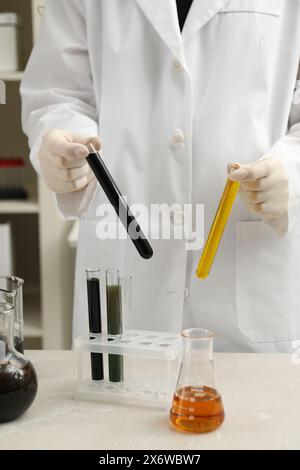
(197, 409)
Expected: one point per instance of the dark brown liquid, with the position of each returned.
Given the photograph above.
(197, 409)
(18, 389)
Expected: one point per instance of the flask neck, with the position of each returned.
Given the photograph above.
(10, 287)
(198, 350)
(6, 330)
(11, 292)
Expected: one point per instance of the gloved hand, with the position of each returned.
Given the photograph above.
(264, 189)
(63, 162)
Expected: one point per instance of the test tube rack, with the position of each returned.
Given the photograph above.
(151, 365)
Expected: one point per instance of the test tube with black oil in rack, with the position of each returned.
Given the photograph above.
(95, 324)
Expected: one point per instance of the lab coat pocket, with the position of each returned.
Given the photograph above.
(254, 23)
(267, 7)
(268, 283)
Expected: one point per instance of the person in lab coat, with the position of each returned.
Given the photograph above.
(172, 109)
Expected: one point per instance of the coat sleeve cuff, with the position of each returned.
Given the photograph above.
(287, 150)
(76, 204)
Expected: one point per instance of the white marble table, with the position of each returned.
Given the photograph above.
(261, 394)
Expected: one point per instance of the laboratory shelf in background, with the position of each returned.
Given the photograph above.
(19, 207)
(32, 315)
(11, 76)
(42, 256)
(32, 327)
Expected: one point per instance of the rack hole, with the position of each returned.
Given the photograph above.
(109, 388)
(146, 343)
(165, 345)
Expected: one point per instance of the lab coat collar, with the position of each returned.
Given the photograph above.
(163, 16)
(200, 13)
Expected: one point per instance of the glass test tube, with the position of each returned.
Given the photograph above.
(217, 229)
(114, 322)
(126, 303)
(118, 202)
(95, 326)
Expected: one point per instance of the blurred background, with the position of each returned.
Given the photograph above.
(35, 244)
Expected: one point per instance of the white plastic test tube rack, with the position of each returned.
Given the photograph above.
(151, 366)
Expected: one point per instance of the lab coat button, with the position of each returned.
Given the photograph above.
(186, 293)
(177, 65)
(178, 139)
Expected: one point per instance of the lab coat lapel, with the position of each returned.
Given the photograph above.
(162, 14)
(200, 13)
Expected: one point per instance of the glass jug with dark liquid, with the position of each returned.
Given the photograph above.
(197, 405)
(11, 293)
(18, 380)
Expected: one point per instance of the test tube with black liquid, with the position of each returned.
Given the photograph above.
(94, 307)
(118, 202)
(114, 322)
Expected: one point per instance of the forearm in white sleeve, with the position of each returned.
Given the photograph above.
(57, 88)
(287, 150)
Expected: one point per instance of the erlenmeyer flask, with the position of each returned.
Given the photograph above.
(18, 380)
(197, 404)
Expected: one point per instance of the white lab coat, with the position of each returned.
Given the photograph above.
(172, 111)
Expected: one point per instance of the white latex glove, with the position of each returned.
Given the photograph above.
(63, 162)
(264, 190)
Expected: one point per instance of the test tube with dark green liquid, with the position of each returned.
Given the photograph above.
(114, 322)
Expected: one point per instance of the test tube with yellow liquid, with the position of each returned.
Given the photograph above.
(217, 229)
